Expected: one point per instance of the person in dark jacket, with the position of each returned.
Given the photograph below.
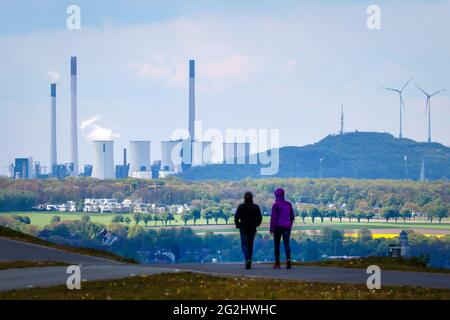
(247, 218)
(281, 221)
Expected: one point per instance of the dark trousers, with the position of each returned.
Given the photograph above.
(247, 239)
(286, 234)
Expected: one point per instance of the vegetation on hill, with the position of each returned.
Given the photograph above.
(20, 236)
(191, 286)
(357, 155)
(5, 265)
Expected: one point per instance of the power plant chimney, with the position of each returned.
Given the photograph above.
(191, 99)
(53, 155)
(73, 116)
(341, 131)
(124, 156)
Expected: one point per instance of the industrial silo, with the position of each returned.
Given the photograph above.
(103, 160)
(139, 157)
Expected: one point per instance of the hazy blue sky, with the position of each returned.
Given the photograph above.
(260, 64)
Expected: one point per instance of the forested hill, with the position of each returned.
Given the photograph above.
(360, 155)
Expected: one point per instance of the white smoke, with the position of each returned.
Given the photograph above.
(92, 130)
(54, 77)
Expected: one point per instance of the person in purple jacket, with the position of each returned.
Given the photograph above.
(281, 221)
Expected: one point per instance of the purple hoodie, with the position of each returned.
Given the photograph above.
(282, 212)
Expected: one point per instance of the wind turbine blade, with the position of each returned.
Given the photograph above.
(422, 90)
(437, 92)
(406, 83)
(395, 90)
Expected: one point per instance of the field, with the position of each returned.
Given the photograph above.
(379, 228)
(180, 286)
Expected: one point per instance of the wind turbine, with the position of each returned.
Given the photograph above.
(402, 105)
(428, 108)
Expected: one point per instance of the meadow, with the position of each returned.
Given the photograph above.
(388, 230)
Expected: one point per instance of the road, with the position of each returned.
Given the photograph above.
(94, 268)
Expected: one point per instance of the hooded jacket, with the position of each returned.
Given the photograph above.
(282, 212)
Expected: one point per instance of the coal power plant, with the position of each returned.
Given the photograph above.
(176, 155)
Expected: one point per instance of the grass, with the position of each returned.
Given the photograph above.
(385, 263)
(17, 235)
(5, 265)
(190, 286)
(41, 219)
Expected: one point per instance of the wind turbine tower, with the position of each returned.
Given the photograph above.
(428, 108)
(402, 105)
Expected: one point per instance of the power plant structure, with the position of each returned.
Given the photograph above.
(140, 165)
(103, 159)
(53, 152)
(73, 116)
(176, 155)
(192, 100)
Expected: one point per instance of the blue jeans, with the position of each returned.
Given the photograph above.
(247, 239)
(286, 234)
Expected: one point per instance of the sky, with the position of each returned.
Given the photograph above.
(260, 64)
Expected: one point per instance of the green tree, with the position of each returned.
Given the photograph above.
(186, 216)
(439, 212)
(118, 218)
(331, 213)
(146, 217)
(156, 218)
(303, 214)
(340, 214)
(207, 214)
(170, 217)
(217, 214)
(137, 217)
(127, 220)
(196, 215)
(313, 213)
(405, 214)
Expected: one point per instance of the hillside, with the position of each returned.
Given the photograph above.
(359, 155)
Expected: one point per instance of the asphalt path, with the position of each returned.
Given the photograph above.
(94, 268)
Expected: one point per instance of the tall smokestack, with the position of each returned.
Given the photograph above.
(73, 115)
(124, 156)
(53, 154)
(191, 99)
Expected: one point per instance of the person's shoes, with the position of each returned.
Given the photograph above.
(276, 265)
(248, 264)
(288, 264)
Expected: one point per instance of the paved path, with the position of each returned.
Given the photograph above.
(11, 250)
(322, 274)
(94, 268)
(52, 276)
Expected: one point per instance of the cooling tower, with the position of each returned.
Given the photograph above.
(201, 153)
(171, 155)
(53, 153)
(139, 156)
(103, 160)
(73, 116)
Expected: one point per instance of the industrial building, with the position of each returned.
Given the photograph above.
(23, 168)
